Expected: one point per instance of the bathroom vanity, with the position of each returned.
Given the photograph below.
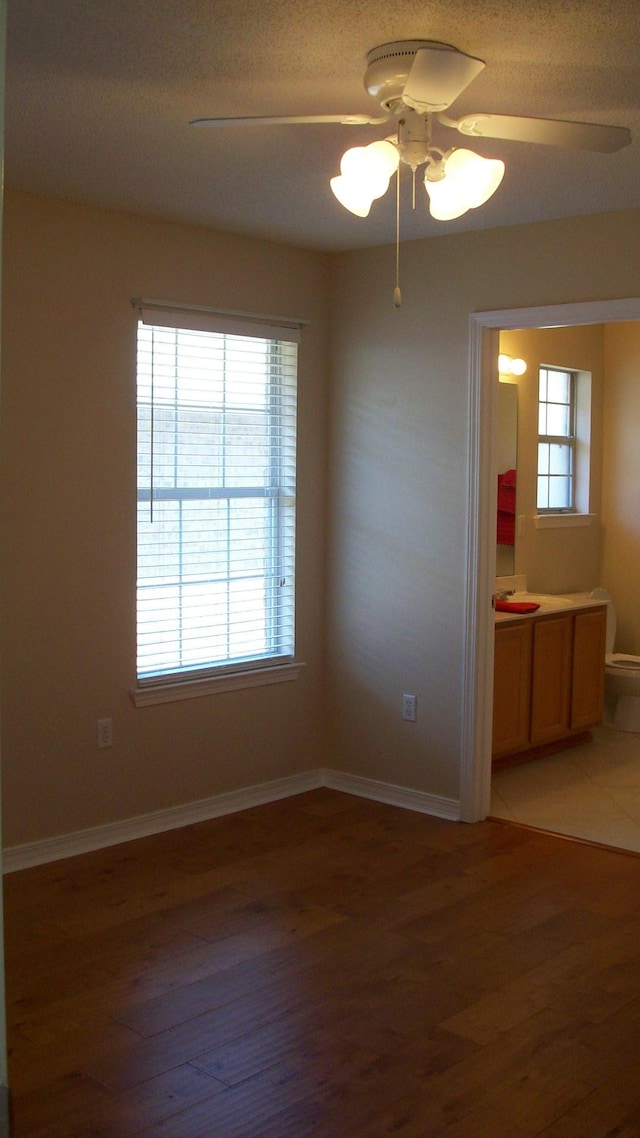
(548, 676)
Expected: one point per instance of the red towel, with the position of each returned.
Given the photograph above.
(506, 529)
(516, 606)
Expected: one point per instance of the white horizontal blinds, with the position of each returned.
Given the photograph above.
(216, 499)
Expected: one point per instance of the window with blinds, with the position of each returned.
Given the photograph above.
(216, 499)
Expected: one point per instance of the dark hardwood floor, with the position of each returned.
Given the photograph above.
(332, 967)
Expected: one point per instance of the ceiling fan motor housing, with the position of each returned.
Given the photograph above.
(423, 74)
(388, 69)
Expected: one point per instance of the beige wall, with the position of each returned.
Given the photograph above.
(399, 473)
(68, 492)
(621, 480)
(567, 559)
(394, 461)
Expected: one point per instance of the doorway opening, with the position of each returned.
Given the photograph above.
(485, 328)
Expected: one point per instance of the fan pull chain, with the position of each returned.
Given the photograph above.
(413, 188)
(397, 295)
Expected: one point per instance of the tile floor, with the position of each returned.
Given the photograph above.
(591, 791)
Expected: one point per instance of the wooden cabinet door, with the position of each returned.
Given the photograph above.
(511, 687)
(587, 686)
(551, 678)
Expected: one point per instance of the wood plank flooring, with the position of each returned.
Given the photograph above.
(332, 967)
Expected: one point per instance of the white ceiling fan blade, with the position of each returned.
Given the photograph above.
(438, 74)
(551, 132)
(285, 120)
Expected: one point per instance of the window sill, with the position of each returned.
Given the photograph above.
(174, 690)
(562, 521)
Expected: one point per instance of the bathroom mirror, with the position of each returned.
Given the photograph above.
(507, 448)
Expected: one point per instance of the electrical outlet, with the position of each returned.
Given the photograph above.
(105, 732)
(409, 708)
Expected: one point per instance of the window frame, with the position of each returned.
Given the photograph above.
(162, 684)
(569, 441)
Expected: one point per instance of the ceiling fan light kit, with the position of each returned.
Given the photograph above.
(469, 181)
(365, 172)
(456, 181)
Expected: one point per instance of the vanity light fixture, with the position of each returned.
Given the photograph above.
(507, 365)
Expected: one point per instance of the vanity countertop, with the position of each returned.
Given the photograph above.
(549, 604)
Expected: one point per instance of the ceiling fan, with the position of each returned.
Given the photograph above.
(415, 81)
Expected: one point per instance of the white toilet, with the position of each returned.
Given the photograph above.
(622, 676)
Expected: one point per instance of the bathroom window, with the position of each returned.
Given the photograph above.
(556, 440)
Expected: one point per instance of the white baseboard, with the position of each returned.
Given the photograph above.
(112, 834)
(392, 795)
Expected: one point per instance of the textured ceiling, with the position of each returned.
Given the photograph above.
(100, 93)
